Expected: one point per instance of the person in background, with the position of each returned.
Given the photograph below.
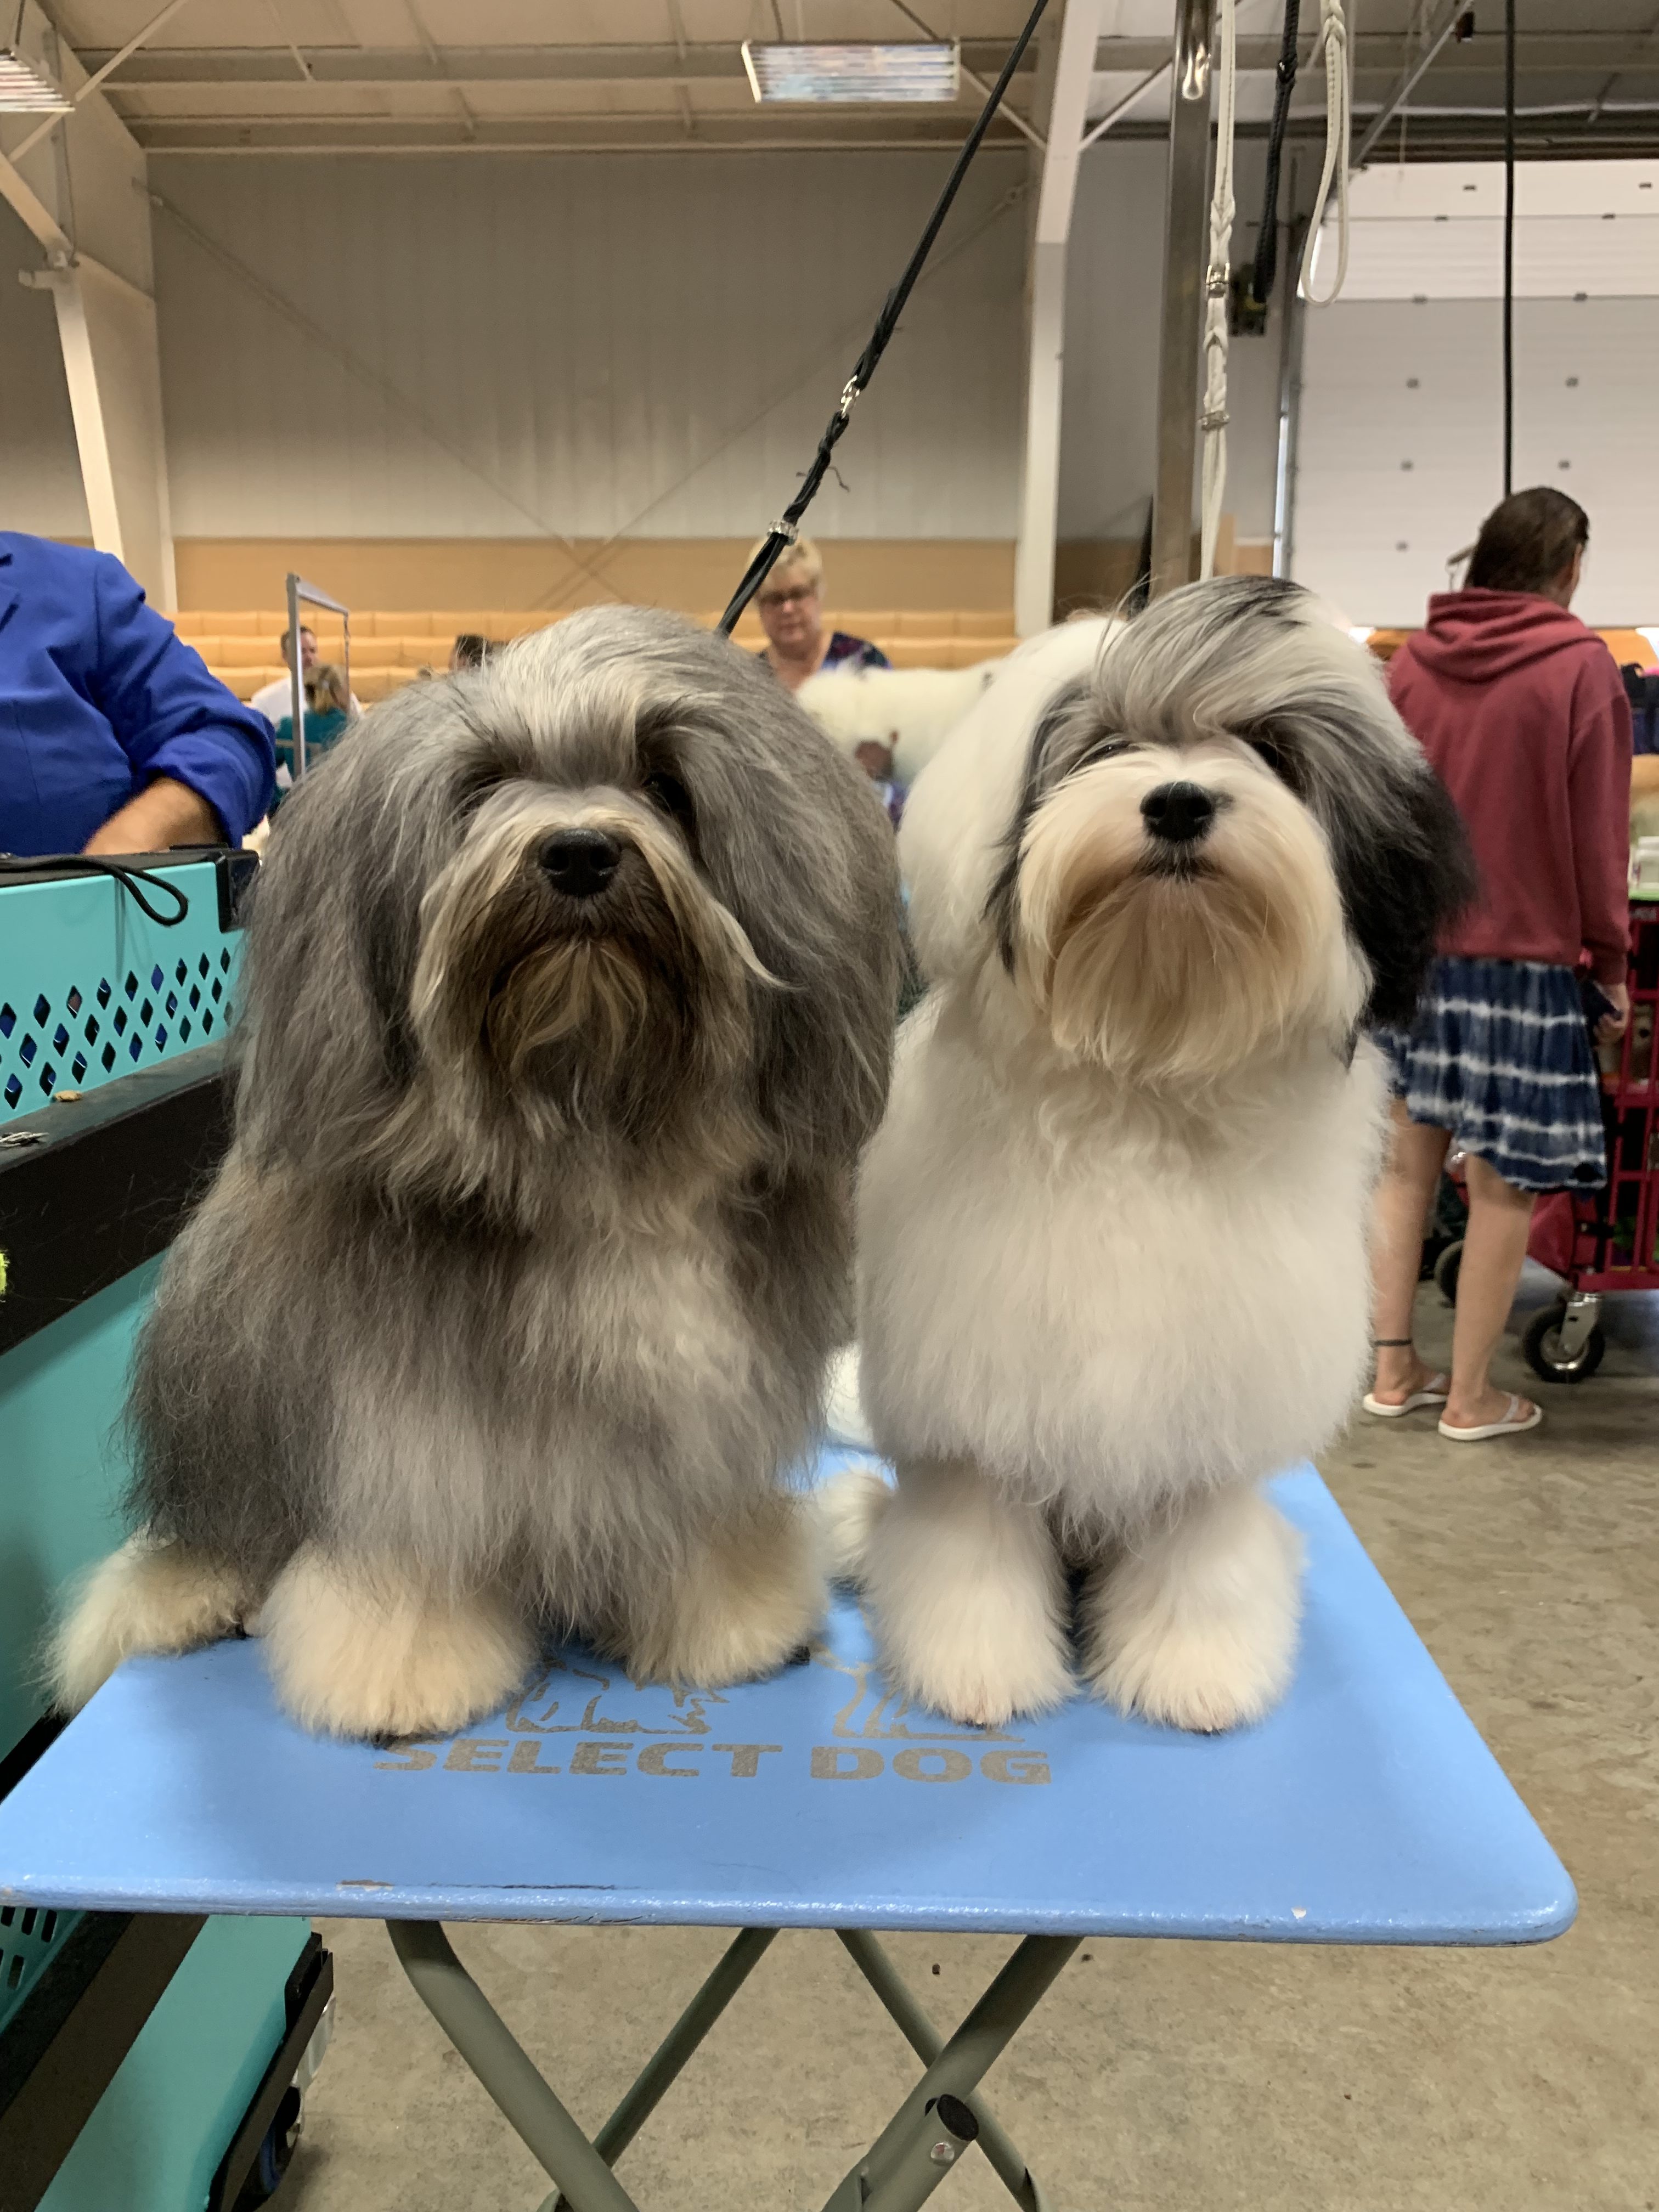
(114, 738)
(1522, 712)
(469, 651)
(790, 604)
(276, 699)
(1644, 684)
(329, 715)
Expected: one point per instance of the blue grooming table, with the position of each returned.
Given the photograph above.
(1366, 1810)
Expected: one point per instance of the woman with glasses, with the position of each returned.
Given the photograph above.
(791, 607)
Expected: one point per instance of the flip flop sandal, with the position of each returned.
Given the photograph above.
(1509, 1426)
(1433, 1393)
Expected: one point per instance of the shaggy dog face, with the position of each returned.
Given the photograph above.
(1220, 836)
(583, 898)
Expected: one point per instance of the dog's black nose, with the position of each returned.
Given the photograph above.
(580, 862)
(1181, 812)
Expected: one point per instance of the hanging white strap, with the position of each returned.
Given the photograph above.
(1213, 420)
(1333, 42)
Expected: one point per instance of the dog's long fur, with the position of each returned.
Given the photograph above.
(1113, 1264)
(512, 1298)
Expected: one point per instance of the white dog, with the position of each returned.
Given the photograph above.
(913, 710)
(1112, 1230)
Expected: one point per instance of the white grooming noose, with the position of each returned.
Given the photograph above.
(1213, 420)
(1333, 41)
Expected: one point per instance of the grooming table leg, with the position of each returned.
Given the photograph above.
(461, 2009)
(736, 1963)
(899, 2173)
(924, 2039)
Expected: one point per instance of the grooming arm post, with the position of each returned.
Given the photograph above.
(466, 2017)
(296, 688)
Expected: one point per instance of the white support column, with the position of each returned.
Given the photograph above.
(82, 192)
(1034, 551)
(112, 362)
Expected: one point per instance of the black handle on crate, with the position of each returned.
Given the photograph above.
(94, 864)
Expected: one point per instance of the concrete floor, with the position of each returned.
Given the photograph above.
(1164, 2075)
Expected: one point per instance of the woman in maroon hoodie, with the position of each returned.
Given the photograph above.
(1521, 710)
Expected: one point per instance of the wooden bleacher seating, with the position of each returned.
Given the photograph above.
(390, 648)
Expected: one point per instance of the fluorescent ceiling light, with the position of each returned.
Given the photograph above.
(852, 71)
(26, 89)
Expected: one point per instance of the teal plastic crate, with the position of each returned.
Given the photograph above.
(91, 988)
(78, 958)
(29, 1935)
(155, 2142)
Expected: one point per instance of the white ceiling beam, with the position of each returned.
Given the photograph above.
(33, 212)
(180, 66)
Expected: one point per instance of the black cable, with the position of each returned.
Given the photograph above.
(123, 872)
(1266, 238)
(783, 532)
(1509, 247)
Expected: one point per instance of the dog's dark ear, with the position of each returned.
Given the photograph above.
(1404, 875)
(826, 1040)
(797, 846)
(334, 933)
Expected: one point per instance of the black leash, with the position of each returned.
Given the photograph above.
(1266, 238)
(128, 877)
(786, 531)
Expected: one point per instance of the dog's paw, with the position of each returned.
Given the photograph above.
(1197, 1628)
(986, 1673)
(965, 1594)
(364, 1653)
(147, 1597)
(1189, 1679)
(738, 1609)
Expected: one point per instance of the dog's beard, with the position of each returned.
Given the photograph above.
(624, 1017)
(1170, 965)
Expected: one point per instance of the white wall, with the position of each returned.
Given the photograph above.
(597, 346)
(39, 468)
(1114, 292)
(641, 346)
(1400, 451)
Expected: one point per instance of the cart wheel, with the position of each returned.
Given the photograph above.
(266, 2175)
(1542, 1345)
(1446, 1269)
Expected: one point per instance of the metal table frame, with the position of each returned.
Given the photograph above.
(941, 2117)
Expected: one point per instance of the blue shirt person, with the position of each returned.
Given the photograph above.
(113, 736)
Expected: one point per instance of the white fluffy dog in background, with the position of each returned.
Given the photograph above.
(1112, 1266)
(913, 710)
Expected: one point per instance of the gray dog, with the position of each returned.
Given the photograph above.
(570, 992)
